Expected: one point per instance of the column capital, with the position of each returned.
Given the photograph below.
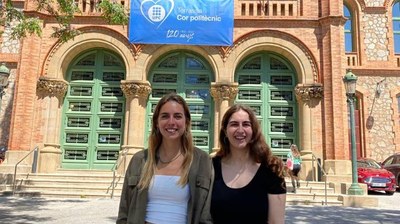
(224, 91)
(306, 92)
(136, 88)
(52, 86)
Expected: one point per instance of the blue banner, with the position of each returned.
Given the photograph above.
(201, 22)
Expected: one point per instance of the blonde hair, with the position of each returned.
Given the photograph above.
(295, 150)
(155, 141)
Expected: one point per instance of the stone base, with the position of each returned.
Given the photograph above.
(12, 158)
(129, 151)
(359, 201)
(49, 159)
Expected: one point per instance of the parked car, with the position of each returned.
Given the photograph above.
(375, 176)
(392, 163)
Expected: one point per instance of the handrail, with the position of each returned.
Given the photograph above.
(16, 165)
(315, 178)
(115, 167)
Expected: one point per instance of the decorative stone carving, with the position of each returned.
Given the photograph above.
(52, 87)
(309, 91)
(135, 88)
(224, 91)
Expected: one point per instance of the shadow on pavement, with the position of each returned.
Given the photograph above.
(342, 215)
(12, 209)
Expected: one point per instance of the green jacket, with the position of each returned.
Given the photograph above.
(132, 208)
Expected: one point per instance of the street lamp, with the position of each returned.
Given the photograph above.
(4, 74)
(350, 81)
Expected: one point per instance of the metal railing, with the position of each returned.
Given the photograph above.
(314, 158)
(117, 163)
(34, 165)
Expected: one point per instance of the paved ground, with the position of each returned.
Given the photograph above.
(15, 210)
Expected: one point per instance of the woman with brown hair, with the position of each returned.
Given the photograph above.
(249, 185)
(171, 181)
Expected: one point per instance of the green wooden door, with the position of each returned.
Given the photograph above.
(266, 84)
(190, 77)
(93, 112)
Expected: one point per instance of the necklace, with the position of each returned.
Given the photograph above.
(173, 159)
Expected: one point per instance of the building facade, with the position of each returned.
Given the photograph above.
(87, 102)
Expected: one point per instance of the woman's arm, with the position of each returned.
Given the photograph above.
(276, 208)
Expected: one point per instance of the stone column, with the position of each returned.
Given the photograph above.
(223, 94)
(308, 96)
(136, 93)
(52, 91)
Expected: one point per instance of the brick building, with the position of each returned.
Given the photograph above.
(87, 102)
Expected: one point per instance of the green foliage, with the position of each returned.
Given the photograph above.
(63, 11)
(113, 13)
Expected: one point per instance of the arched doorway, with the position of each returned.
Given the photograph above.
(92, 123)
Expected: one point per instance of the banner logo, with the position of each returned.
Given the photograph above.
(156, 12)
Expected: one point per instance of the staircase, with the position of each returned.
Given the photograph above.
(98, 184)
(67, 184)
(312, 193)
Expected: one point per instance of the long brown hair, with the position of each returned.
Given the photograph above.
(155, 140)
(259, 149)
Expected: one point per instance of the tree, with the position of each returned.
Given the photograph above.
(63, 11)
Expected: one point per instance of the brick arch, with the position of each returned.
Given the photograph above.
(281, 43)
(389, 3)
(62, 54)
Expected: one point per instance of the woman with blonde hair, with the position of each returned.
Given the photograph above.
(170, 182)
(295, 158)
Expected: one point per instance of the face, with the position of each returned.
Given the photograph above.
(239, 130)
(171, 121)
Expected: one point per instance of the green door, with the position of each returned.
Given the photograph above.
(93, 111)
(189, 76)
(266, 84)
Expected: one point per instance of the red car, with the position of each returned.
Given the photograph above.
(376, 177)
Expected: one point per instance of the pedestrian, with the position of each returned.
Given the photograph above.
(249, 185)
(295, 159)
(171, 181)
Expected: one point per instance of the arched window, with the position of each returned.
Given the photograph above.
(348, 29)
(396, 26)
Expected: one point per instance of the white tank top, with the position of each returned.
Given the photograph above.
(167, 201)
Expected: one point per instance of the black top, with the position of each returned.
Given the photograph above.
(245, 205)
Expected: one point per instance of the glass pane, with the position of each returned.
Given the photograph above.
(277, 65)
(397, 43)
(253, 64)
(81, 91)
(109, 139)
(249, 94)
(111, 107)
(282, 95)
(346, 11)
(80, 106)
(197, 94)
(165, 78)
(197, 79)
(396, 10)
(110, 60)
(171, 62)
(200, 140)
(113, 76)
(281, 80)
(347, 26)
(111, 91)
(199, 109)
(283, 111)
(158, 93)
(348, 41)
(193, 63)
(110, 122)
(75, 154)
(77, 138)
(200, 125)
(281, 143)
(107, 155)
(283, 127)
(88, 60)
(249, 79)
(256, 109)
(78, 122)
(81, 75)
